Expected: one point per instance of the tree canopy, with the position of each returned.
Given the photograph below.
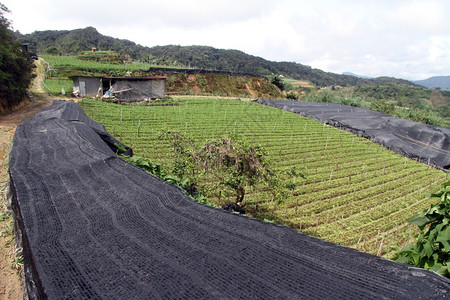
(15, 64)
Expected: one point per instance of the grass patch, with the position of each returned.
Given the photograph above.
(54, 86)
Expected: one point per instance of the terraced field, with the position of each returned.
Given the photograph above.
(355, 193)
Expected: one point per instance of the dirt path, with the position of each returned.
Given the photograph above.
(10, 284)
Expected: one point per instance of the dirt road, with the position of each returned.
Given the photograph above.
(10, 285)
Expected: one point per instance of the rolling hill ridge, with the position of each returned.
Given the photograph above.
(442, 82)
(71, 42)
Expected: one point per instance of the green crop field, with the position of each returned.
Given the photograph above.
(71, 63)
(54, 86)
(355, 192)
(61, 66)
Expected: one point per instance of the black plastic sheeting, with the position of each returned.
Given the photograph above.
(426, 143)
(96, 227)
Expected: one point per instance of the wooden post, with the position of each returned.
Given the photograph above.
(381, 246)
(139, 127)
(360, 238)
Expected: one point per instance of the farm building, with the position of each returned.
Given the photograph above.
(122, 88)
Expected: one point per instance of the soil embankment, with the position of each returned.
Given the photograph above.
(221, 85)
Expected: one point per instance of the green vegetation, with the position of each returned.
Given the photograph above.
(72, 42)
(54, 86)
(231, 166)
(432, 249)
(220, 168)
(402, 101)
(15, 66)
(65, 66)
(181, 180)
(238, 61)
(343, 188)
(109, 57)
(276, 80)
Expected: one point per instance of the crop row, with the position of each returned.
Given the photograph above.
(73, 63)
(353, 192)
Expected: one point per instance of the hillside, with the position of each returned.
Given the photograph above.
(102, 63)
(442, 82)
(71, 42)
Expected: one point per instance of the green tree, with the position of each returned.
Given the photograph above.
(15, 66)
(383, 106)
(278, 81)
(234, 165)
(52, 50)
(292, 96)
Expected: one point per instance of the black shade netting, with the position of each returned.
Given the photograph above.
(96, 227)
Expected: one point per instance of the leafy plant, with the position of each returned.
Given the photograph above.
(432, 250)
(184, 182)
(4, 216)
(292, 96)
(235, 164)
(18, 263)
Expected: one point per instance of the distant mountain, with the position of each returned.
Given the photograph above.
(442, 82)
(356, 75)
(71, 42)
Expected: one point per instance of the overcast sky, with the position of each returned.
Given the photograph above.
(401, 38)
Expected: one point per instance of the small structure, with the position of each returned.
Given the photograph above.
(25, 47)
(123, 88)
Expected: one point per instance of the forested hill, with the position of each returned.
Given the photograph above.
(71, 42)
